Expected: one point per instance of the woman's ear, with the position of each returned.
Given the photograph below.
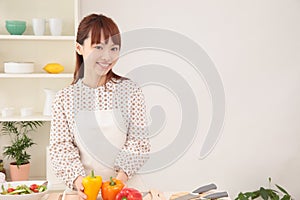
(78, 48)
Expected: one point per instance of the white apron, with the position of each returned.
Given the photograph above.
(99, 140)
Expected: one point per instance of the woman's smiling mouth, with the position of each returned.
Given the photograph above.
(103, 66)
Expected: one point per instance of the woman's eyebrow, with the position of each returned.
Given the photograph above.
(106, 44)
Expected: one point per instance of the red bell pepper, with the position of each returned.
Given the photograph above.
(129, 194)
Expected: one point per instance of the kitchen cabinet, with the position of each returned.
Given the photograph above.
(26, 90)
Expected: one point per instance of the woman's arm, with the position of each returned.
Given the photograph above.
(64, 154)
(135, 151)
(121, 175)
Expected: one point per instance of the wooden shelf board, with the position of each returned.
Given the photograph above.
(33, 37)
(34, 117)
(36, 75)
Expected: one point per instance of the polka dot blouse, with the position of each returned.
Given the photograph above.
(122, 94)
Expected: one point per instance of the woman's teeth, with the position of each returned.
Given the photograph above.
(103, 65)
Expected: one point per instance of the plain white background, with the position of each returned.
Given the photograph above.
(255, 46)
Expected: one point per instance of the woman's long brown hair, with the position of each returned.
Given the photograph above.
(95, 23)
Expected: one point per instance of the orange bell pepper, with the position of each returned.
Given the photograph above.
(92, 185)
(111, 188)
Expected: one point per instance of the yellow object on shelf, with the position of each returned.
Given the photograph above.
(54, 68)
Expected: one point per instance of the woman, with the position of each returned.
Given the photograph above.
(99, 121)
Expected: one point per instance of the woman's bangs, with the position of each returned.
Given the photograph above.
(107, 33)
(96, 34)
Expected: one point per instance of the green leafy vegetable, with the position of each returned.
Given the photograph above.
(22, 189)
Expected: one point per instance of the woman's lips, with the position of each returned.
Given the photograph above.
(103, 66)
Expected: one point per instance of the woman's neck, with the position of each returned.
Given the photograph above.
(94, 82)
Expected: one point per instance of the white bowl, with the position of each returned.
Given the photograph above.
(18, 67)
(33, 196)
(26, 111)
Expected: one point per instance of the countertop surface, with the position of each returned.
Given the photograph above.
(72, 196)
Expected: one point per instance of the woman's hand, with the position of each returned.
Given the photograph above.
(80, 188)
(122, 176)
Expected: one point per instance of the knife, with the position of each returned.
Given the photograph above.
(216, 195)
(187, 196)
(205, 188)
(196, 193)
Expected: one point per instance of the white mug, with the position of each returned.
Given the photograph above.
(55, 25)
(8, 112)
(38, 26)
(2, 177)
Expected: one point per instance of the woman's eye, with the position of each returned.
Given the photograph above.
(99, 47)
(115, 49)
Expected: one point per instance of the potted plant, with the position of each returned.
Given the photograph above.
(266, 194)
(20, 142)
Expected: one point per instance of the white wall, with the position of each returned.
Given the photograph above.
(255, 46)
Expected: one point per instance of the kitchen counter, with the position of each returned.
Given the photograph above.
(73, 196)
(60, 196)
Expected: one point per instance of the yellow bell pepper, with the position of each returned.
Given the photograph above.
(92, 185)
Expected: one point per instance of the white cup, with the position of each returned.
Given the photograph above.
(26, 111)
(38, 26)
(2, 177)
(8, 112)
(55, 25)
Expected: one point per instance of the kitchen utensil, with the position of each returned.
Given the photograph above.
(205, 188)
(216, 195)
(187, 196)
(45, 183)
(32, 196)
(196, 193)
(15, 27)
(8, 112)
(26, 111)
(50, 95)
(18, 67)
(55, 25)
(153, 194)
(38, 26)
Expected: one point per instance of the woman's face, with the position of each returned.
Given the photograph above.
(98, 58)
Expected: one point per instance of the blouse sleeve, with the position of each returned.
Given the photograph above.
(135, 151)
(64, 154)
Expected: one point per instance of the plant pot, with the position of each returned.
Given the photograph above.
(20, 173)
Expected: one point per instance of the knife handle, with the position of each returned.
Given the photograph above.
(216, 195)
(205, 188)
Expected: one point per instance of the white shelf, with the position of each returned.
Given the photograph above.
(33, 37)
(36, 75)
(34, 117)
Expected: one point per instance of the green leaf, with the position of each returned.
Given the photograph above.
(286, 197)
(266, 194)
(273, 194)
(255, 194)
(20, 141)
(241, 196)
(263, 193)
(247, 194)
(281, 189)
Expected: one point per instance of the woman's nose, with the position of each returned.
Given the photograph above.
(105, 55)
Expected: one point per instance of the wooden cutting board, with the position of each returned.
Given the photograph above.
(59, 196)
